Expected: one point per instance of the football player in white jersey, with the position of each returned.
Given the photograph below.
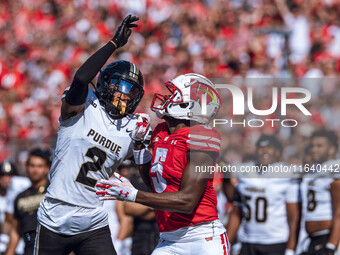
(93, 139)
(10, 186)
(266, 205)
(321, 194)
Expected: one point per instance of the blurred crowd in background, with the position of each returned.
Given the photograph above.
(43, 42)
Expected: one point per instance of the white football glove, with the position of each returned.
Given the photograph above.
(119, 188)
(142, 130)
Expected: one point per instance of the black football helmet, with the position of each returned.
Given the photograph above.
(116, 82)
(7, 168)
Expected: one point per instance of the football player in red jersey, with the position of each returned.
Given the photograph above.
(184, 199)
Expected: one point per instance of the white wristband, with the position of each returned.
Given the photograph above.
(289, 252)
(142, 156)
(330, 246)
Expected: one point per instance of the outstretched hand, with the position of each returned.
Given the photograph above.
(123, 32)
(119, 188)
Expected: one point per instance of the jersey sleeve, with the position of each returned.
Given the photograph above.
(91, 94)
(204, 138)
(91, 97)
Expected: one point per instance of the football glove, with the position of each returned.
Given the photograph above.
(119, 188)
(123, 32)
(142, 131)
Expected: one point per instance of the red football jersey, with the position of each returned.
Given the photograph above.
(168, 162)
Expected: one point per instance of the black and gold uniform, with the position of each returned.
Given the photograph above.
(25, 211)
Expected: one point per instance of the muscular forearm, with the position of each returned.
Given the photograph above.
(293, 236)
(125, 228)
(13, 242)
(139, 211)
(293, 215)
(145, 168)
(168, 201)
(234, 223)
(85, 74)
(335, 231)
(144, 173)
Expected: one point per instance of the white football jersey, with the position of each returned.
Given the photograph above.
(263, 202)
(90, 146)
(3, 238)
(18, 185)
(316, 196)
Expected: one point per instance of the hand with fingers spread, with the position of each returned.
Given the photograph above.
(119, 188)
(123, 32)
(142, 130)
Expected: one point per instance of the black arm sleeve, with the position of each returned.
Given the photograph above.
(77, 93)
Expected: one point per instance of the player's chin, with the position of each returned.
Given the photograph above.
(36, 177)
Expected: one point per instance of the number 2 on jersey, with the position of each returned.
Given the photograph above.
(159, 183)
(98, 158)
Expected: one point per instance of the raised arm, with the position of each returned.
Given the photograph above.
(75, 98)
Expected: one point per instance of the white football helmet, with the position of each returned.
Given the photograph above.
(192, 97)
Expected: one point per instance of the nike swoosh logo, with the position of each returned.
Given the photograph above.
(128, 130)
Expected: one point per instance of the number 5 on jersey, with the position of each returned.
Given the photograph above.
(156, 172)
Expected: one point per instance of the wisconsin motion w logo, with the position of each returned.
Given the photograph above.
(208, 95)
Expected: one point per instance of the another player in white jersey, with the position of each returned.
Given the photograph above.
(321, 194)
(266, 205)
(7, 172)
(93, 139)
(10, 186)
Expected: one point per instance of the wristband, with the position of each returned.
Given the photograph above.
(114, 44)
(330, 246)
(142, 156)
(289, 252)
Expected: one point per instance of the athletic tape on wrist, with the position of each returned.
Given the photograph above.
(142, 156)
(330, 246)
(289, 252)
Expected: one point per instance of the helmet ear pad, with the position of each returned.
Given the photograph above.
(116, 79)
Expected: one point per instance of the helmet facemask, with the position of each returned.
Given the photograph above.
(120, 96)
(160, 102)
